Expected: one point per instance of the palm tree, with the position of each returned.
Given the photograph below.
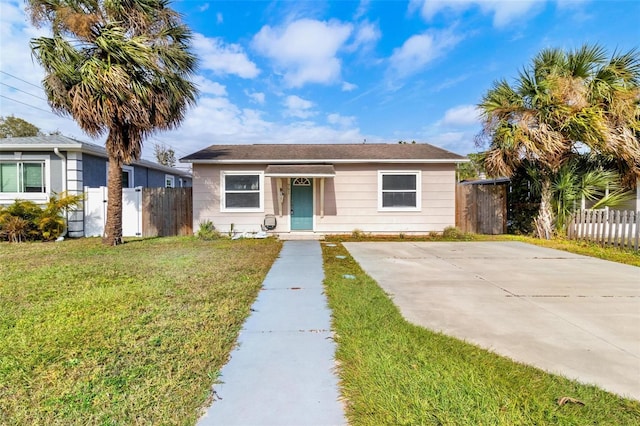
(562, 105)
(117, 67)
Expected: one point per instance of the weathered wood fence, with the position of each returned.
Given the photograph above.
(167, 212)
(613, 227)
(481, 209)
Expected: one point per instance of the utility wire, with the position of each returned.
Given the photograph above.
(24, 103)
(20, 90)
(18, 78)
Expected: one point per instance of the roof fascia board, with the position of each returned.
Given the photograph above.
(343, 161)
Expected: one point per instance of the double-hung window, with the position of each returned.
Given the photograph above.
(22, 176)
(399, 190)
(243, 191)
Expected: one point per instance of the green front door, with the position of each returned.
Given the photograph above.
(301, 204)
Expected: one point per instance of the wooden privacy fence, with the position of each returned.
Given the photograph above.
(167, 212)
(481, 208)
(613, 227)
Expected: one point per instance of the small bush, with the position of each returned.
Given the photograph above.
(357, 233)
(208, 231)
(453, 233)
(25, 220)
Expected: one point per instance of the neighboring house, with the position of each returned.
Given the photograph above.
(325, 188)
(32, 168)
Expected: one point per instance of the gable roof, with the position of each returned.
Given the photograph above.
(324, 153)
(64, 143)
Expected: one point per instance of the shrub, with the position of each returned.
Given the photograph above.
(25, 220)
(208, 231)
(15, 228)
(357, 234)
(453, 233)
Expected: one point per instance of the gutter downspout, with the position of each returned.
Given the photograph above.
(64, 168)
(56, 151)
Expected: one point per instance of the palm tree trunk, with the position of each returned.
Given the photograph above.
(113, 227)
(544, 221)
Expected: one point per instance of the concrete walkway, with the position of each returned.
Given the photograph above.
(569, 314)
(282, 372)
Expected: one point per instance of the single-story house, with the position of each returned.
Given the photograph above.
(325, 188)
(32, 168)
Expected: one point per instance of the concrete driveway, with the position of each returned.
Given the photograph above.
(565, 313)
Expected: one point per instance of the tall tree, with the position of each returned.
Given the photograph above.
(164, 155)
(118, 67)
(563, 104)
(14, 127)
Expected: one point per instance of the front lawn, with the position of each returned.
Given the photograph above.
(396, 373)
(134, 334)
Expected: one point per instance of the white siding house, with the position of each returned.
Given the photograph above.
(325, 189)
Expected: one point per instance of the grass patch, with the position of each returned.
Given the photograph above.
(395, 373)
(134, 334)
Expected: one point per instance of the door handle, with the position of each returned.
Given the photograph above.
(291, 212)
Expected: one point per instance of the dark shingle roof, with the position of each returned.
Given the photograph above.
(315, 153)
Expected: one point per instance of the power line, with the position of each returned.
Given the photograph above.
(18, 78)
(20, 90)
(23, 103)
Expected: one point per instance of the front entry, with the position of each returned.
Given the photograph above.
(301, 204)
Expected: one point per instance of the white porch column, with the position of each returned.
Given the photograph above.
(321, 197)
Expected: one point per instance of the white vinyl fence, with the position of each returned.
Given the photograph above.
(95, 211)
(606, 227)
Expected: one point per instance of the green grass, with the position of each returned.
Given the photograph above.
(395, 373)
(134, 334)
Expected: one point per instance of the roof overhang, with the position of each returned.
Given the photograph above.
(334, 161)
(300, 170)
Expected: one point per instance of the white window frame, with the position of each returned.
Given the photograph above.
(129, 170)
(125, 169)
(418, 190)
(30, 196)
(223, 192)
(171, 179)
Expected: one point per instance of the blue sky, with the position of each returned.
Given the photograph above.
(341, 71)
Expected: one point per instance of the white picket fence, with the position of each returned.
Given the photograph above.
(617, 228)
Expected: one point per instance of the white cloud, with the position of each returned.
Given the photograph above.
(304, 50)
(366, 36)
(362, 9)
(504, 11)
(419, 50)
(203, 7)
(222, 58)
(341, 120)
(219, 18)
(459, 142)
(348, 87)
(298, 107)
(257, 97)
(208, 87)
(462, 116)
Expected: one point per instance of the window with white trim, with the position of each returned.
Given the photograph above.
(399, 190)
(22, 177)
(169, 181)
(242, 191)
(127, 177)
